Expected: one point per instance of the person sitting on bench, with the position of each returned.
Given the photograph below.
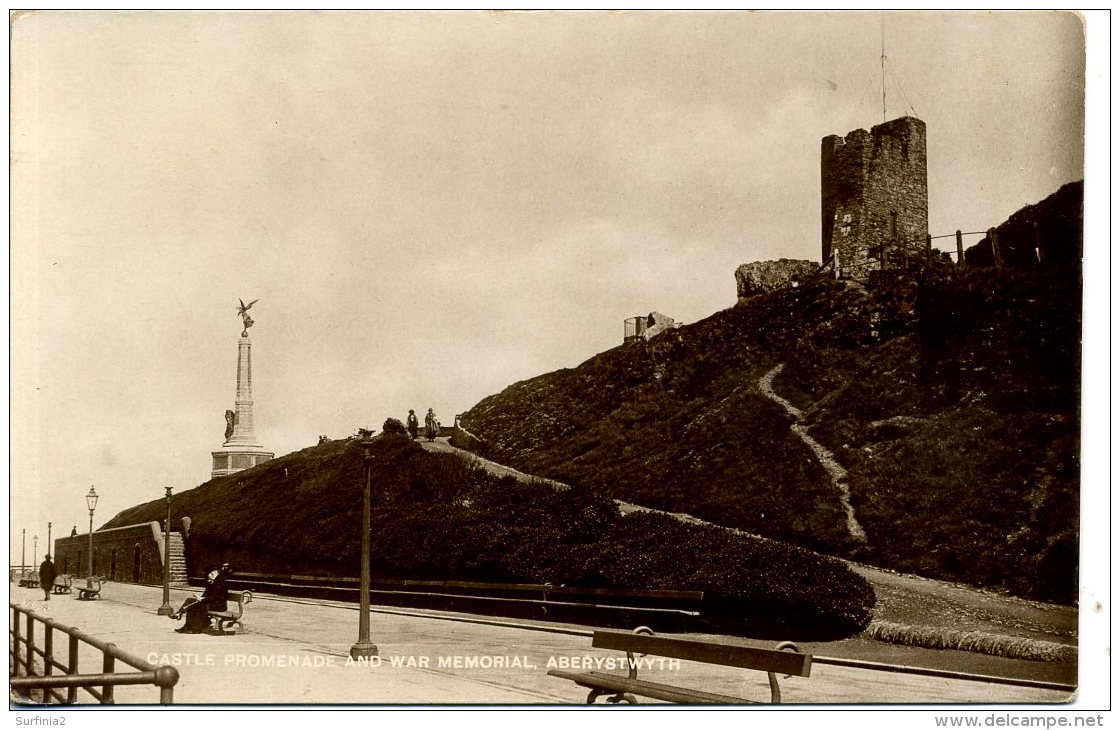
(213, 598)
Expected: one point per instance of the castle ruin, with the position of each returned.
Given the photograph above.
(874, 201)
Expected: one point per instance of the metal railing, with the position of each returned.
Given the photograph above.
(943, 673)
(25, 651)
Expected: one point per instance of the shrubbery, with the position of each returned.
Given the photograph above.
(505, 530)
(393, 426)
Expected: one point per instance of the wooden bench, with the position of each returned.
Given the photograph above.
(642, 641)
(29, 580)
(62, 583)
(229, 617)
(92, 588)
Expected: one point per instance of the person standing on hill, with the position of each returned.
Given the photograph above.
(47, 574)
(413, 424)
(431, 425)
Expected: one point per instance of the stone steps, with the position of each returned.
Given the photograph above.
(177, 558)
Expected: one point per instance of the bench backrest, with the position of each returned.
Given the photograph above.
(63, 580)
(240, 598)
(745, 657)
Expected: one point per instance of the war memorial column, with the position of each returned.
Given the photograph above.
(241, 450)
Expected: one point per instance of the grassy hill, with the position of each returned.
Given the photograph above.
(949, 395)
(438, 517)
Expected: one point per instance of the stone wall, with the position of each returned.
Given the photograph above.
(762, 277)
(129, 554)
(874, 199)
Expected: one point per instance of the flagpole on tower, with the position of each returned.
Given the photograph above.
(883, 62)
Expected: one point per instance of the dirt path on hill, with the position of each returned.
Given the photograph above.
(442, 444)
(836, 473)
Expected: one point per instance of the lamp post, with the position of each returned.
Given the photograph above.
(364, 647)
(35, 551)
(165, 609)
(50, 547)
(91, 502)
(23, 553)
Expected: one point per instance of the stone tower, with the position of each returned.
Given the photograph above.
(874, 204)
(241, 449)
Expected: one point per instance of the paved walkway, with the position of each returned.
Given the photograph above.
(296, 651)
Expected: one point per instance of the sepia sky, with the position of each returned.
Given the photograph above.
(433, 206)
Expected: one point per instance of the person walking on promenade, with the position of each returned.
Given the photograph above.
(214, 598)
(47, 574)
(431, 425)
(413, 424)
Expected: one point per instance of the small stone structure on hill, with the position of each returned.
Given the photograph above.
(646, 327)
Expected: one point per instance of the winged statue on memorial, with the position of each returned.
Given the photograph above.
(246, 320)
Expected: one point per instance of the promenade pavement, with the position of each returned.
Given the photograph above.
(296, 651)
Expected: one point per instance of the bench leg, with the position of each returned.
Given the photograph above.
(221, 624)
(614, 699)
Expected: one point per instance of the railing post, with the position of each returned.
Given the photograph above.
(72, 668)
(30, 664)
(166, 677)
(48, 648)
(107, 666)
(997, 254)
(960, 248)
(16, 638)
(48, 658)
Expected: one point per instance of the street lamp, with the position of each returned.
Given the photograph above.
(91, 502)
(165, 609)
(35, 549)
(23, 553)
(364, 647)
(50, 547)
